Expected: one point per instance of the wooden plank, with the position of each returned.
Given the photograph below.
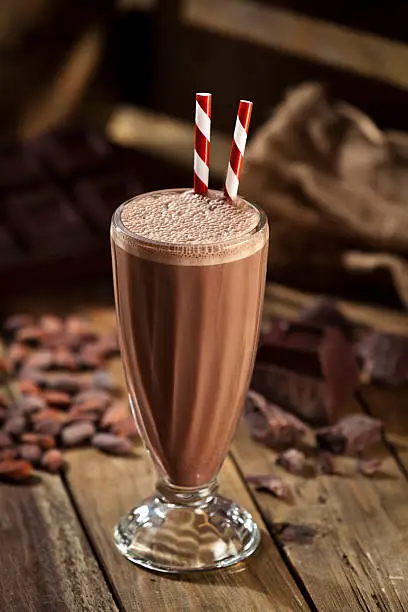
(240, 68)
(46, 563)
(291, 32)
(358, 557)
(105, 488)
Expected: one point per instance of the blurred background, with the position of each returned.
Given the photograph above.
(97, 103)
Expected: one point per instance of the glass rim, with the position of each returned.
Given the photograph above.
(118, 225)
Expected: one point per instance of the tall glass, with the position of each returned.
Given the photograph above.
(188, 318)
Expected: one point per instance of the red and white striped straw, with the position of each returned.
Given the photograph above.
(202, 142)
(238, 148)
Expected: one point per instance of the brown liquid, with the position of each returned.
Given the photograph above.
(188, 339)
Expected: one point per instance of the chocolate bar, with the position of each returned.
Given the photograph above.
(57, 195)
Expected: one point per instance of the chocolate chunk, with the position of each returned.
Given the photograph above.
(270, 484)
(351, 435)
(340, 369)
(109, 443)
(270, 424)
(31, 453)
(100, 196)
(325, 313)
(72, 151)
(302, 395)
(45, 220)
(52, 461)
(292, 460)
(368, 467)
(289, 533)
(385, 357)
(77, 433)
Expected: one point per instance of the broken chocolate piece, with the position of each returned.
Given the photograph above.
(270, 484)
(325, 313)
(270, 424)
(292, 460)
(289, 533)
(351, 435)
(384, 357)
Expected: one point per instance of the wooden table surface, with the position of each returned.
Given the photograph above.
(56, 547)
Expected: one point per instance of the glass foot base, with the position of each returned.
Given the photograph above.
(198, 533)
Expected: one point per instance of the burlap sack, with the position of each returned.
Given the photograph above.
(333, 185)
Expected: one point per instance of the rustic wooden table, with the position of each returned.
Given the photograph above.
(57, 551)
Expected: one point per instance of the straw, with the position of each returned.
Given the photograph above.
(202, 142)
(238, 148)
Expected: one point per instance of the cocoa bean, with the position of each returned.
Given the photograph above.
(80, 326)
(15, 470)
(43, 441)
(49, 414)
(48, 427)
(17, 353)
(101, 398)
(8, 453)
(52, 460)
(30, 452)
(115, 413)
(15, 322)
(15, 425)
(76, 414)
(126, 427)
(40, 360)
(67, 383)
(52, 324)
(30, 335)
(57, 398)
(28, 387)
(64, 359)
(109, 443)
(35, 376)
(30, 403)
(5, 440)
(104, 381)
(77, 433)
(90, 357)
(90, 405)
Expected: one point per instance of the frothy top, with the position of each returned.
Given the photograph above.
(179, 227)
(183, 217)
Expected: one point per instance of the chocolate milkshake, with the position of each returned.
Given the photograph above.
(189, 275)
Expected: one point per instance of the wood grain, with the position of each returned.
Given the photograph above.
(357, 559)
(105, 488)
(46, 563)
